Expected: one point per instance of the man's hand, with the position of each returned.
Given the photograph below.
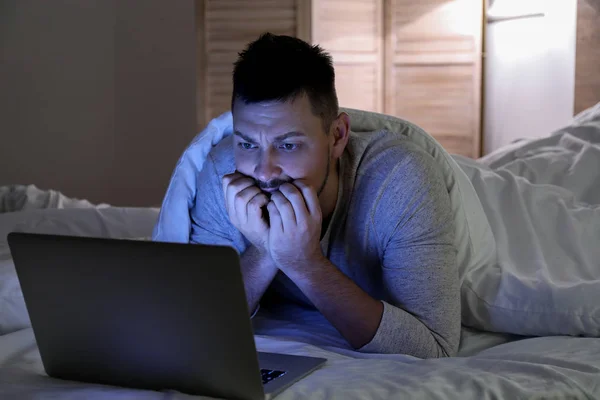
(244, 202)
(295, 232)
(294, 245)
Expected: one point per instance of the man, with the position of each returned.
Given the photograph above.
(358, 226)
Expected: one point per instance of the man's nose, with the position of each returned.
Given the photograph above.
(267, 167)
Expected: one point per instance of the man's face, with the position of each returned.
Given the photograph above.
(277, 142)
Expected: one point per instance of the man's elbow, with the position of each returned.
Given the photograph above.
(438, 348)
(447, 350)
(430, 346)
(446, 346)
(401, 333)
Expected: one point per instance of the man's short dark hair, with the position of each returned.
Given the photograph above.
(282, 68)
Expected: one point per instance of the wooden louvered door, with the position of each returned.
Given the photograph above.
(418, 60)
(352, 32)
(224, 28)
(433, 68)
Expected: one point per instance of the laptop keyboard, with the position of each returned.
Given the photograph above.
(269, 374)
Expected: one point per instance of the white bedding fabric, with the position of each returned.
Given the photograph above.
(544, 368)
(549, 187)
(117, 222)
(29, 197)
(542, 200)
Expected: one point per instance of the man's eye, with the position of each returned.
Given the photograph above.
(246, 145)
(289, 146)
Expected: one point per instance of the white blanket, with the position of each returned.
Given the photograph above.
(542, 199)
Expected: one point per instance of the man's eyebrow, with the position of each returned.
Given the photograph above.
(288, 135)
(246, 138)
(277, 139)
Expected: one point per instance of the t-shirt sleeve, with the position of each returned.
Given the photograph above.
(415, 230)
(210, 222)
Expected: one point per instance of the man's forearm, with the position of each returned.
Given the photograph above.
(354, 313)
(258, 271)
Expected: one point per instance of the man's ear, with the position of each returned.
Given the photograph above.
(340, 132)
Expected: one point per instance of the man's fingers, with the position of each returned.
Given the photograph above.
(256, 203)
(310, 199)
(288, 217)
(241, 200)
(234, 181)
(296, 199)
(226, 183)
(259, 200)
(275, 218)
(232, 190)
(229, 178)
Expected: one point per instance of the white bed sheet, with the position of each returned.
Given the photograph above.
(548, 368)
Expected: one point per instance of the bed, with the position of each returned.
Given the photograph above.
(539, 336)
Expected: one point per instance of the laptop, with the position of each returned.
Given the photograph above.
(147, 315)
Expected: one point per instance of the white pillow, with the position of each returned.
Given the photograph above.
(113, 222)
(13, 313)
(28, 197)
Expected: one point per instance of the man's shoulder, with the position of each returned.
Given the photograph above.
(398, 183)
(222, 157)
(383, 154)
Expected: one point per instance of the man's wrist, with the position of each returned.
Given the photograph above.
(262, 254)
(312, 261)
(309, 269)
(260, 250)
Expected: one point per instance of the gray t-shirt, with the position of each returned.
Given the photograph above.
(392, 233)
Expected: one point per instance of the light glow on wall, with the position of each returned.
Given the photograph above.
(529, 69)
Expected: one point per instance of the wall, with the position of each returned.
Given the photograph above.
(98, 97)
(529, 71)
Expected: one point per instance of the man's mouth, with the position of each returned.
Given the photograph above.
(269, 190)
